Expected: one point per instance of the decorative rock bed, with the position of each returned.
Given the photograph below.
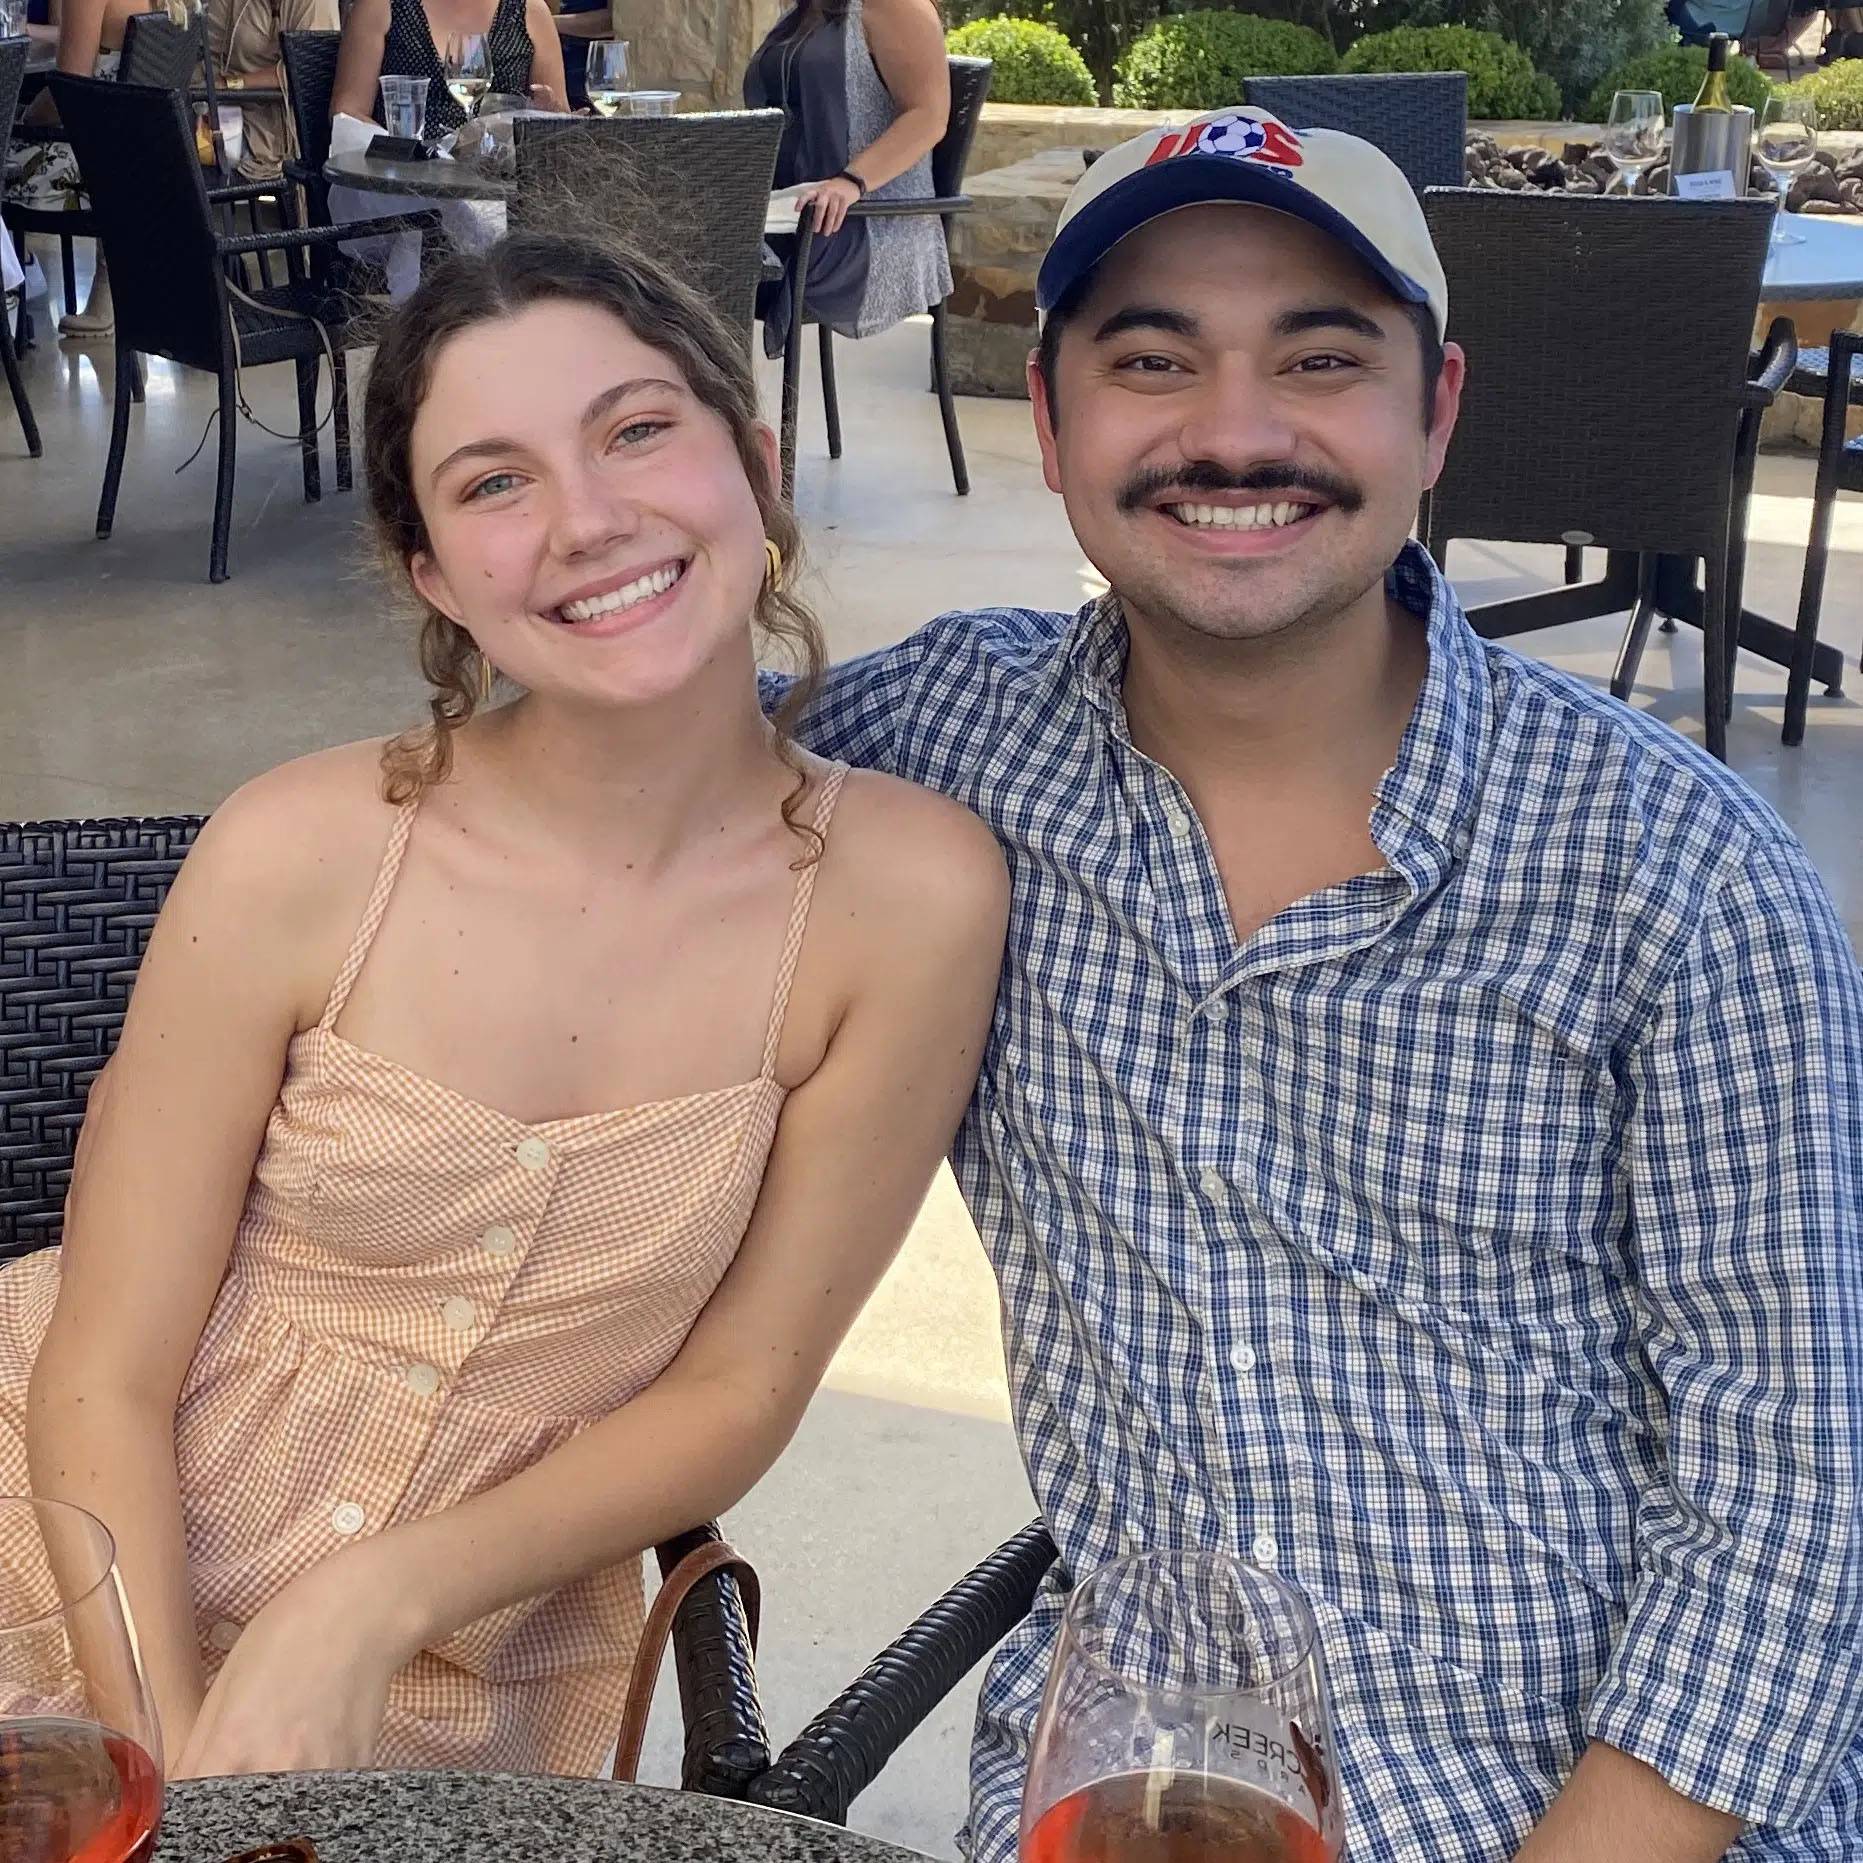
(1833, 184)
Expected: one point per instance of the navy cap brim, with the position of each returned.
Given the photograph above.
(1190, 181)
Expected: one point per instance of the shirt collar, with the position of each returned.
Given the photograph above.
(1426, 800)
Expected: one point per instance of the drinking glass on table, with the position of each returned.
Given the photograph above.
(606, 78)
(80, 1750)
(1185, 1721)
(466, 64)
(1633, 138)
(404, 106)
(1787, 142)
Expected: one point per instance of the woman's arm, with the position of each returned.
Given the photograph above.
(907, 42)
(80, 37)
(911, 909)
(162, 1169)
(359, 60)
(549, 84)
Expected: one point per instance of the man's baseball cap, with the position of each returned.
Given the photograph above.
(1338, 183)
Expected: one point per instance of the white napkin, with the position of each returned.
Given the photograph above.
(785, 210)
(349, 135)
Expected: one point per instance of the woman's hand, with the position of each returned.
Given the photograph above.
(831, 199)
(545, 97)
(305, 1687)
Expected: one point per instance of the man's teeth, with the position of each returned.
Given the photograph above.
(1241, 517)
(616, 599)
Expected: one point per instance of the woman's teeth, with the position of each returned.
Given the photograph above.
(1241, 517)
(630, 596)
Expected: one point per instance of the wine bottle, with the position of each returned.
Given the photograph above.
(1713, 92)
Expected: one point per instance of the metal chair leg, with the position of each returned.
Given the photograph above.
(307, 428)
(947, 406)
(68, 264)
(119, 438)
(137, 390)
(339, 390)
(831, 400)
(1716, 668)
(1574, 562)
(1817, 559)
(35, 447)
(223, 483)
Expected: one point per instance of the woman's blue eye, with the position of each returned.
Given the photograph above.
(492, 484)
(637, 431)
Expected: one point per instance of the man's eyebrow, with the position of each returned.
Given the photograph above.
(1328, 317)
(1146, 317)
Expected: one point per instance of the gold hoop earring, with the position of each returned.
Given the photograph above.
(773, 564)
(487, 674)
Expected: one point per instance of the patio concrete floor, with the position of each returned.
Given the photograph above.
(129, 685)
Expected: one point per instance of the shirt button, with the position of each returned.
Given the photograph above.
(1178, 823)
(498, 1240)
(533, 1154)
(1243, 1358)
(1265, 1549)
(1213, 1184)
(423, 1380)
(460, 1314)
(347, 1518)
(223, 1636)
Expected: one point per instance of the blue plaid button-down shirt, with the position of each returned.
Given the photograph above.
(1477, 1244)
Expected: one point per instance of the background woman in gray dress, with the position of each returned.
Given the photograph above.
(866, 93)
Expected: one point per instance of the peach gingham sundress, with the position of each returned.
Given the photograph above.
(423, 1298)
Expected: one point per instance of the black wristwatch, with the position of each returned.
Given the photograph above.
(847, 174)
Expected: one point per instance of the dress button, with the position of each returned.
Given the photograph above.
(1243, 1358)
(1213, 1184)
(499, 1239)
(423, 1380)
(460, 1314)
(347, 1518)
(533, 1154)
(223, 1635)
(1265, 1549)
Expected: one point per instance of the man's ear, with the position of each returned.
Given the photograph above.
(1444, 410)
(1045, 422)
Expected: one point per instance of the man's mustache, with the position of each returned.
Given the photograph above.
(1147, 488)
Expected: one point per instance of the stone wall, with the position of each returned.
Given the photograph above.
(697, 47)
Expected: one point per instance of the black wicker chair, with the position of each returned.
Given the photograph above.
(970, 87)
(173, 297)
(1420, 120)
(703, 181)
(1569, 435)
(77, 901)
(156, 52)
(12, 71)
(845, 1747)
(1840, 469)
(309, 59)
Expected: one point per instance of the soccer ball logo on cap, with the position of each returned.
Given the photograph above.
(1239, 135)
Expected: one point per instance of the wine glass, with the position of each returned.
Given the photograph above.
(1633, 138)
(466, 65)
(80, 1749)
(1185, 1721)
(1788, 139)
(606, 81)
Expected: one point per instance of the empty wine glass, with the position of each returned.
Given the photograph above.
(80, 1750)
(466, 63)
(1633, 138)
(1185, 1721)
(1788, 141)
(607, 76)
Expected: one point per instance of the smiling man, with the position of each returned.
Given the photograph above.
(1420, 1143)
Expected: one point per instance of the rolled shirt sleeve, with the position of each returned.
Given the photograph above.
(1737, 1672)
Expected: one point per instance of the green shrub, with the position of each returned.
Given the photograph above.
(1202, 61)
(1034, 63)
(1837, 90)
(1676, 71)
(1501, 78)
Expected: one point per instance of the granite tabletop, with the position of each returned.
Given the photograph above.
(435, 1817)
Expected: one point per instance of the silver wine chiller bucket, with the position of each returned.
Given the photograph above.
(1703, 143)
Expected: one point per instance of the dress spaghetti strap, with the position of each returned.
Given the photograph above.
(371, 914)
(799, 915)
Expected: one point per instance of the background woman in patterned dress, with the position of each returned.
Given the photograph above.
(490, 1164)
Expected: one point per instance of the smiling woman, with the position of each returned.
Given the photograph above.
(509, 1120)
